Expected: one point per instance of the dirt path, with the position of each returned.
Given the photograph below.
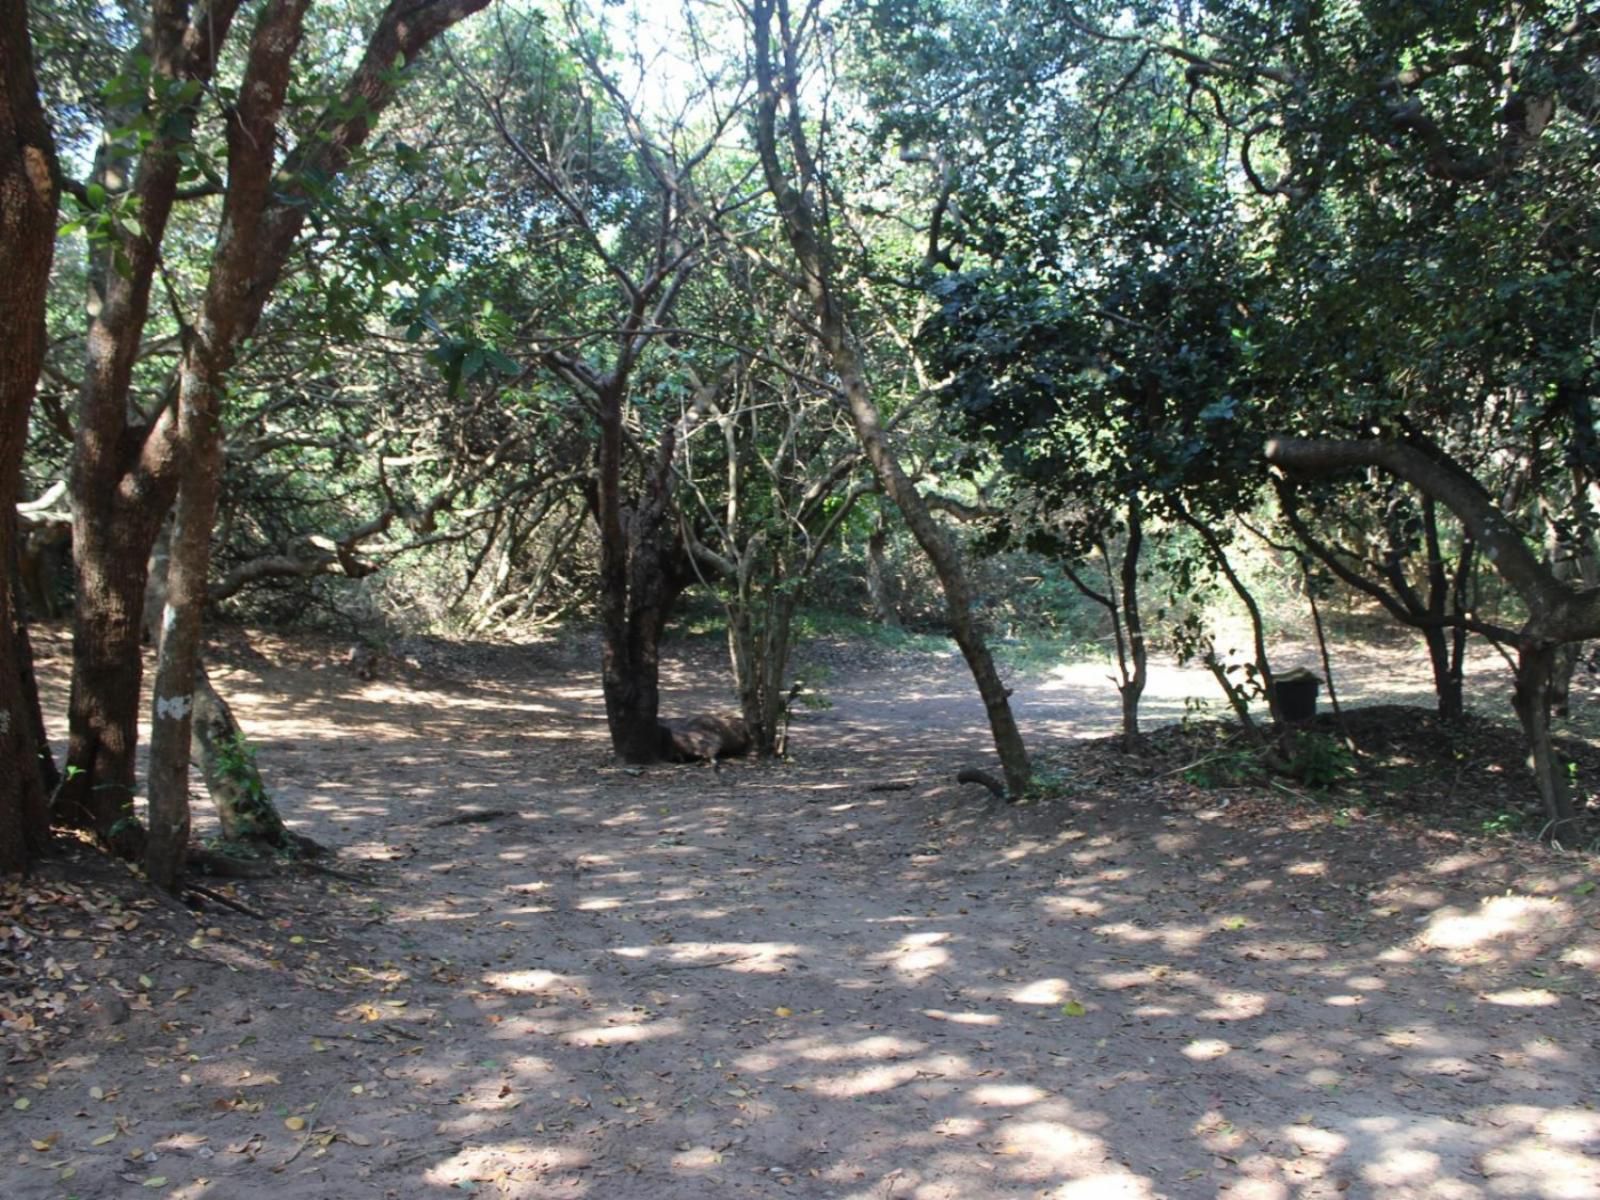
(572, 980)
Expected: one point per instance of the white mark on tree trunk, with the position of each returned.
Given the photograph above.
(174, 707)
(5, 722)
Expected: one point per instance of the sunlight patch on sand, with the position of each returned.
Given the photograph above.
(1497, 917)
(1042, 991)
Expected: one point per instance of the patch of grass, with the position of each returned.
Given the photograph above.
(818, 623)
(1507, 820)
(1035, 653)
(1047, 783)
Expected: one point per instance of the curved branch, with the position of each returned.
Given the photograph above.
(1555, 611)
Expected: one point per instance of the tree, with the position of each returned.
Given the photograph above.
(28, 197)
(630, 200)
(1094, 328)
(795, 190)
(128, 461)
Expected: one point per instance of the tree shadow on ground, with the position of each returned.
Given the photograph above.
(572, 979)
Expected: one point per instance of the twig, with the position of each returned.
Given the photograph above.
(334, 872)
(691, 966)
(893, 785)
(223, 899)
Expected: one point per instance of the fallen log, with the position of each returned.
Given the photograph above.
(704, 738)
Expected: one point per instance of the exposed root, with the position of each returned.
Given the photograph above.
(477, 817)
(973, 775)
(221, 898)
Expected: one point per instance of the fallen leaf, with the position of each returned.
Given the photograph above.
(1073, 1009)
(294, 1123)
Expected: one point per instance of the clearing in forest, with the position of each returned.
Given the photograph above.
(842, 976)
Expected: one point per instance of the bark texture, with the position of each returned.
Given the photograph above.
(27, 243)
(226, 315)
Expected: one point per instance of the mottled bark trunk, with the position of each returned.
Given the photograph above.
(27, 244)
(178, 660)
(760, 637)
(227, 315)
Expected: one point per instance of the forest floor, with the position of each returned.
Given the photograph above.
(841, 976)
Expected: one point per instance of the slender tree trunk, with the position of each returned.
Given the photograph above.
(813, 256)
(1535, 668)
(878, 572)
(27, 245)
(1132, 687)
(227, 315)
(178, 661)
(1447, 683)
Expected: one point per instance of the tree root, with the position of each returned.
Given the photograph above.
(477, 817)
(220, 898)
(230, 866)
(334, 872)
(973, 775)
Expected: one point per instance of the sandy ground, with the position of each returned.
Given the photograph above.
(568, 979)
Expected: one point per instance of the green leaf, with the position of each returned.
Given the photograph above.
(1073, 1009)
(503, 363)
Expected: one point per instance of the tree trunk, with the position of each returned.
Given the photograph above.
(637, 588)
(1535, 667)
(233, 780)
(178, 659)
(227, 315)
(244, 806)
(815, 261)
(1446, 664)
(1133, 684)
(878, 573)
(27, 245)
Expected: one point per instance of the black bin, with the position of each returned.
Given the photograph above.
(1296, 694)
